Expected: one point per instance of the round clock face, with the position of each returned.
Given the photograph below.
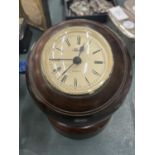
(77, 60)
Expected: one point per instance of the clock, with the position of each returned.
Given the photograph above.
(79, 59)
(79, 72)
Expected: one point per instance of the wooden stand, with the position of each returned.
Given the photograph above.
(83, 115)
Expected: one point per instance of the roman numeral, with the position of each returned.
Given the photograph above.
(96, 51)
(78, 40)
(98, 62)
(58, 49)
(57, 69)
(64, 79)
(75, 83)
(87, 80)
(89, 42)
(67, 42)
(96, 73)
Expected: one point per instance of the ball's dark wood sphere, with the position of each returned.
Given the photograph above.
(82, 115)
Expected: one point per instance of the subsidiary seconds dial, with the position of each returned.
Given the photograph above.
(77, 60)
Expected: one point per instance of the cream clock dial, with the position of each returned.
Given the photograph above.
(77, 60)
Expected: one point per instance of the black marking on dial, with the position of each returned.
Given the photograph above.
(95, 72)
(58, 49)
(96, 51)
(75, 82)
(64, 79)
(87, 80)
(98, 62)
(57, 69)
(89, 42)
(78, 40)
(67, 42)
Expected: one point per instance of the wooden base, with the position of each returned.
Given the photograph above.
(79, 132)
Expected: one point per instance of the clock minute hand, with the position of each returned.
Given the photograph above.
(67, 69)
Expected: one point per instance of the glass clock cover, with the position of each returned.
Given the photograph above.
(76, 60)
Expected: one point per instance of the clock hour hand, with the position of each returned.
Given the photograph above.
(81, 49)
(59, 59)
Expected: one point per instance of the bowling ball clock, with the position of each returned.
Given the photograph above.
(79, 72)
